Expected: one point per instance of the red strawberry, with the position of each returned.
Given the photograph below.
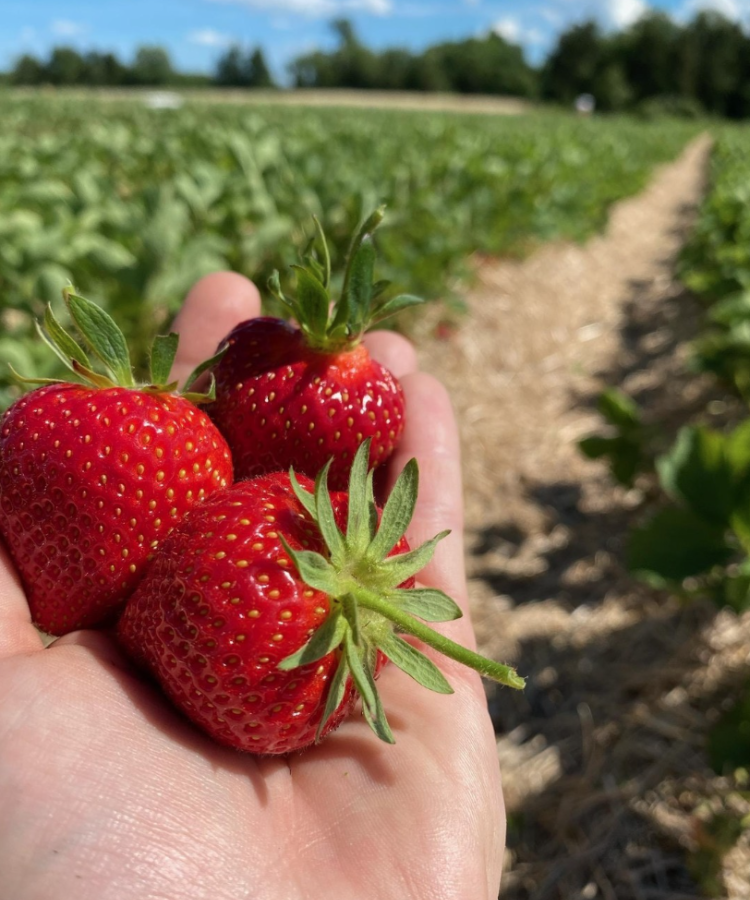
(265, 614)
(299, 396)
(94, 476)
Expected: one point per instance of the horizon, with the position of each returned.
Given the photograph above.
(197, 32)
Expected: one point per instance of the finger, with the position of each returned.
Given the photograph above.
(431, 436)
(17, 634)
(213, 307)
(393, 351)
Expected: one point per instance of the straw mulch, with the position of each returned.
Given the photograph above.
(608, 788)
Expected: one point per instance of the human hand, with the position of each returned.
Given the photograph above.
(108, 793)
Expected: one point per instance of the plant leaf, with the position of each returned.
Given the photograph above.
(697, 472)
(358, 291)
(305, 497)
(203, 367)
(676, 544)
(414, 663)
(336, 693)
(313, 301)
(396, 569)
(357, 523)
(163, 352)
(395, 305)
(325, 517)
(429, 604)
(397, 512)
(103, 337)
(313, 569)
(325, 639)
(326, 254)
(365, 684)
(619, 409)
(64, 345)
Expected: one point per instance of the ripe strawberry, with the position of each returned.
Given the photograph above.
(271, 608)
(299, 396)
(94, 476)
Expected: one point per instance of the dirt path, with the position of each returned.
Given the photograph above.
(606, 778)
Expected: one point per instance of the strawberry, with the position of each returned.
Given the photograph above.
(93, 476)
(297, 396)
(275, 604)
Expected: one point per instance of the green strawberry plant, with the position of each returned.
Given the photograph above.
(703, 533)
(133, 206)
(628, 444)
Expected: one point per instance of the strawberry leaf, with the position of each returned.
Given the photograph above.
(357, 295)
(305, 497)
(163, 352)
(326, 255)
(358, 520)
(379, 287)
(429, 604)
(396, 304)
(397, 569)
(101, 381)
(62, 343)
(313, 302)
(200, 369)
(414, 663)
(314, 570)
(327, 638)
(103, 337)
(336, 694)
(397, 513)
(365, 684)
(325, 518)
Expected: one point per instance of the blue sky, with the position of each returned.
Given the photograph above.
(197, 31)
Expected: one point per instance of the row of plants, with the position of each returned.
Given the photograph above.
(133, 204)
(693, 537)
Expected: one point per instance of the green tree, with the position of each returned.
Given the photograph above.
(713, 63)
(152, 66)
(104, 69)
(649, 54)
(27, 71)
(257, 72)
(489, 65)
(230, 69)
(572, 67)
(65, 67)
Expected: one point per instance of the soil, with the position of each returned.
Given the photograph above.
(608, 787)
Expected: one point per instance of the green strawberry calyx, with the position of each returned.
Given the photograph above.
(106, 344)
(336, 324)
(369, 611)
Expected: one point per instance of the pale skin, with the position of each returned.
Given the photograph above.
(107, 793)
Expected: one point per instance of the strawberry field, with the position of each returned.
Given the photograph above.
(133, 205)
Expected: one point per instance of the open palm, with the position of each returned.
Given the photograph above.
(107, 793)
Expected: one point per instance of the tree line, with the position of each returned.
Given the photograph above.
(151, 67)
(702, 66)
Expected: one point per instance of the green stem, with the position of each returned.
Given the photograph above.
(486, 667)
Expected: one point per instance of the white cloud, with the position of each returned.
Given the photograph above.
(508, 28)
(67, 29)
(316, 9)
(729, 8)
(207, 37)
(515, 32)
(622, 13)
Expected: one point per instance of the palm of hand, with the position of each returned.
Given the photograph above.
(108, 793)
